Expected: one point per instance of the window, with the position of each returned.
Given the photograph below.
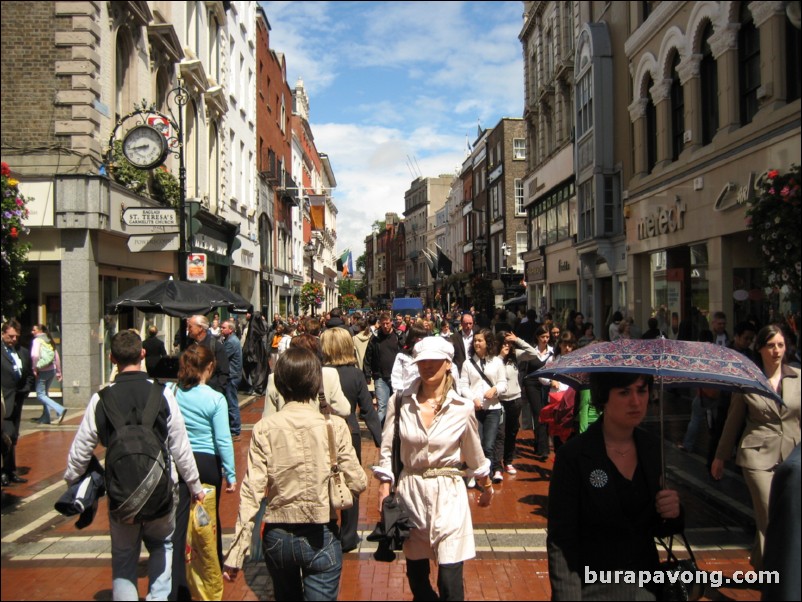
(551, 216)
(587, 211)
(792, 70)
(677, 111)
(611, 204)
(495, 203)
(520, 249)
(518, 148)
(584, 118)
(519, 197)
(748, 64)
(708, 72)
(651, 130)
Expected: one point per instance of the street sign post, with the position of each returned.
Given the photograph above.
(163, 241)
(150, 216)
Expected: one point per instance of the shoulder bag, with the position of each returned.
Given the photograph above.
(674, 588)
(340, 497)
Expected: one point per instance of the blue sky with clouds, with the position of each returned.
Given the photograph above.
(390, 81)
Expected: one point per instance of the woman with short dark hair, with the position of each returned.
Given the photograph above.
(606, 503)
(289, 458)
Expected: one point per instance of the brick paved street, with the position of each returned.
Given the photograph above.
(45, 558)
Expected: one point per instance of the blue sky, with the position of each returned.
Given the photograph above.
(389, 82)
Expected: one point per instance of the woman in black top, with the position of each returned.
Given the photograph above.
(338, 350)
(536, 392)
(606, 503)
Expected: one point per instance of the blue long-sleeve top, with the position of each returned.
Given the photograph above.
(205, 413)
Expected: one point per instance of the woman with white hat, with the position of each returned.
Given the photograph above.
(438, 432)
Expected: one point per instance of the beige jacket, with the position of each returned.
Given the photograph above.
(331, 389)
(289, 460)
(772, 431)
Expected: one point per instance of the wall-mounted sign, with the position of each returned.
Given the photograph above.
(732, 195)
(563, 266)
(196, 267)
(663, 220)
(149, 216)
(153, 242)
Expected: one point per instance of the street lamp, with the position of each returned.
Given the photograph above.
(310, 250)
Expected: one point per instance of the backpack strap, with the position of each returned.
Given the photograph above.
(481, 372)
(153, 406)
(107, 402)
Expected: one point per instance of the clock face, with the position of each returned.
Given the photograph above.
(145, 147)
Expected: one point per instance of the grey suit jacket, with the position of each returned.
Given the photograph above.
(772, 431)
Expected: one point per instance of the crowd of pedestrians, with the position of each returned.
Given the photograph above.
(457, 384)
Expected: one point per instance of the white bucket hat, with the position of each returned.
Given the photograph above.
(433, 348)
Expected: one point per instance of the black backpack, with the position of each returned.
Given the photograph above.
(138, 479)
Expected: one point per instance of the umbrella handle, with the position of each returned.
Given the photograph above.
(662, 440)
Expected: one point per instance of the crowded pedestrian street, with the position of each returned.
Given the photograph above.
(44, 557)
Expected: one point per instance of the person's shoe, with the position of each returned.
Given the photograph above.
(510, 469)
(471, 483)
(15, 478)
(498, 477)
(61, 417)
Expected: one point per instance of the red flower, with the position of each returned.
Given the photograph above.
(773, 173)
(5, 169)
(13, 232)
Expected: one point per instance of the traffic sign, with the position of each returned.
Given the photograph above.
(150, 216)
(163, 241)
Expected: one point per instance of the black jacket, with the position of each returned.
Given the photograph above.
(380, 355)
(587, 522)
(355, 389)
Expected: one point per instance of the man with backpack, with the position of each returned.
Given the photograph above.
(139, 423)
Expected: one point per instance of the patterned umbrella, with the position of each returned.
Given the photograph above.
(671, 363)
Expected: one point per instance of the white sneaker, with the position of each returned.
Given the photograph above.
(510, 469)
(471, 483)
(498, 477)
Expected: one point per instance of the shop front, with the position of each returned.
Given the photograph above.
(561, 266)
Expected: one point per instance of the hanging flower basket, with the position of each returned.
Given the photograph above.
(14, 251)
(773, 219)
(311, 295)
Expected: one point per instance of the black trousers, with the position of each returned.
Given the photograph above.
(210, 468)
(537, 396)
(349, 519)
(449, 581)
(507, 434)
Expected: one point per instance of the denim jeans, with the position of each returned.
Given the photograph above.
(43, 380)
(305, 561)
(699, 416)
(126, 543)
(234, 420)
(383, 392)
(489, 421)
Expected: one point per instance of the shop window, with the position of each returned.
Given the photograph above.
(748, 64)
(708, 72)
(563, 296)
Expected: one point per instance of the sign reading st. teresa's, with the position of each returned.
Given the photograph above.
(149, 216)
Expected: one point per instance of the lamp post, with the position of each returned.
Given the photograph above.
(310, 250)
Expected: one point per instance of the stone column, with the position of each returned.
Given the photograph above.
(637, 115)
(661, 97)
(770, 20)
(692, 93)
(80, 297)
(724, 44)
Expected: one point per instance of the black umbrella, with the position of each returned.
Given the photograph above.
(178, 299)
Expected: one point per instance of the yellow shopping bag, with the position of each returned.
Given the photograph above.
(204, 575)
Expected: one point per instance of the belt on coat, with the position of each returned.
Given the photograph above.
(431, 473)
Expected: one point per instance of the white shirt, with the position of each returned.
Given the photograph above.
(473, 386)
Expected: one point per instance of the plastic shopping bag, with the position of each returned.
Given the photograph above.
(204, 575)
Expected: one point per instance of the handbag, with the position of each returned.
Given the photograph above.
(340, 497)
(394, 527)
(674, 588)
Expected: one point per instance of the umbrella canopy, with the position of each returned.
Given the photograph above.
(178, 299)
(671, 363)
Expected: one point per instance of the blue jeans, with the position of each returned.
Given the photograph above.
(304, 561)
(234, 420)
(489, 421)
(699, 416)
(126, 543)
(43, 380)
(383, 392)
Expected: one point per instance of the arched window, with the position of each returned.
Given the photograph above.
(677, 110)
(651, 128)
(708, 73)
(124, 73)
(748, 64)
(792, 65)
(214, 167)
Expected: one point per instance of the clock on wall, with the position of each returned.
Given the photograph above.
(145, 147)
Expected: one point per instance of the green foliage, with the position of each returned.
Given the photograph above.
(166, 188)
(773, 219)
(158, 184)
(14, 252)
(360, 263)
(349, 302)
